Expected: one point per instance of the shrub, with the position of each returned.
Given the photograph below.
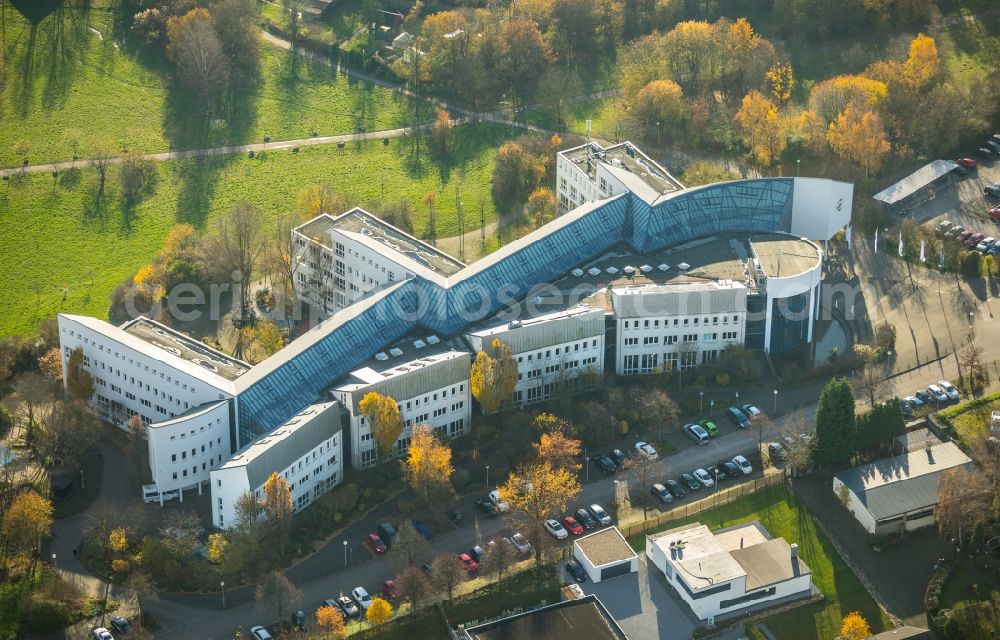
(41, 614)
(970, 263)
(460, 479)
(722, 379)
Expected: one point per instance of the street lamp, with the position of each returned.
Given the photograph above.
(711, 406)
(798, 166)
(487, 476)
(345, 553)
(53, 561)
(586, 461)
(222, 587)
(737, 399)
(701, 401)
(775, 401)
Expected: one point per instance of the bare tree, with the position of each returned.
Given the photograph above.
(31, 391)
(102, 155)
(281, 253)
(447, 572)
(875, 383)
(69, 432)
(798, 441)
(964, 497)
(499, 558)
(277, 595)
(409, 548)
(234, 249)
(643, 470)
(195, 50)
(415, 586)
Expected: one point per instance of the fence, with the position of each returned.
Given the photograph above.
(771, 477)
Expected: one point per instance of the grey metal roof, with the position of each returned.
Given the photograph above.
(582, 619)
(769, 563)
(441, 370)
(681, 298)
(916, 181)
(570, 325)
(905, 483)
(282, 447)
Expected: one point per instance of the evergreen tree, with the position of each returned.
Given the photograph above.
(836, 426)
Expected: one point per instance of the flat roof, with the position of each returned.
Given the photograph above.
(581, 619)
(701, 559)
(360, 222)
(526, 318)
(605, 547)
(629, 164)
(916, 181)
(186, 348)
(403, 356)
(769, 563)
(782, 256)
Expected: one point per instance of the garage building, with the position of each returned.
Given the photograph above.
(900, 493)
(605, 555)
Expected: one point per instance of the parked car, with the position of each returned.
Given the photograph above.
(520, 543)
(477, 552)
(674, 487)
(985, 244)
(737, 417)
(960, 170)
(906, 408)
(257, 632)
(967, 162)
(360, 595)
(942, 228)
(468, 563)
(925, 397)
(716, 472)
(556, 530)
(119, 624)
(710, 427)
(914, 401)
(646, 450)
(299, 620)
(995, 213)
(697, 433)
(732, 471)
(974, 239)
(390, 590)
(993, 145)
(619, 457)
(422, 528)
(572, 525)
(937, 392)
(599, 514)
(660, 493)
(704, 477)
(575, 569)
(776, 452)
(583, 517)
(605, 464)
(743, 464)
(346, 606)
(387, 532)
(456, 516)
(688, 481)
(498, 501)
(949, 389)
(954, 231)
(487, 507)
(375, 543)
(965, 235)
(100, 633)
(751, 411)
(985, 153)
(992, 190)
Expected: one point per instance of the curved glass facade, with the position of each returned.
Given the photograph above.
(483, 288)
(789, 322)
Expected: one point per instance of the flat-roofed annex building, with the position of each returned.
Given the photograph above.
(898, 494)
(555, 352)
(307, 451)
(729, 570)
(583, 618)
(605, 554)
(428, 379)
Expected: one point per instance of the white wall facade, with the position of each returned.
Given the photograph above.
(908, 522)
(777, 288)
(820, 207)
(183, 451)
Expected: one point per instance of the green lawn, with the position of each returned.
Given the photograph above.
(58, 253)
(778, 510)
(72, 71)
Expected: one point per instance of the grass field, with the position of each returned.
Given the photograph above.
(71, 72)
(779, 511)
(59, 253)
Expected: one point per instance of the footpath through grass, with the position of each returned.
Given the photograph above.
(74, 70)
(784, 516)
(61, 252)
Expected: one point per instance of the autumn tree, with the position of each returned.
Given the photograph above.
(829, 98)
(964, 497)
(277, 504)
(79, 382)
(409, 548)
(765, 132)
(26, 521)
(447, 572)
(384, 418)
(31, 393)
(277, 595)
(262, 340)
(321, 198)
(378, 612)
(234, 249)
(541, 205)
(524, 56)
(136, 176)
(281, 253)
(69, 432)
(559, 450)
(430, 201)
(493, 376)
(195, 50)
(498, 559)
(854, 627)
(536, 492)
(179, 533)
(50, 364)
(782, 80)
(922, 62)
(428, 462)
(415, 586)
(514, 173)
(442, 131)
(330, 622)
(860, 138)
(216, 547)
(659, 108)
(875, 383)
(236, 26)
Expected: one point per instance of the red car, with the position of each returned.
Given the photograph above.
(390, 590)
(572, 525)
(995, 213)
(965, 235)
(467, 562)
(376, 543)
(968, 163)
(974, 239)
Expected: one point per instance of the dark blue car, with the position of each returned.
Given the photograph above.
(737, 417)
(422, 529)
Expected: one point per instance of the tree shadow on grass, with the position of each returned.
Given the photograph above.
(67, 38)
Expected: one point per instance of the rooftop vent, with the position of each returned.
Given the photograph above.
(433, 339)
(419, 344)
(381, 356)
(396, 352)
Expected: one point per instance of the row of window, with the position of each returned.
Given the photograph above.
(654, 323)
(557, 351)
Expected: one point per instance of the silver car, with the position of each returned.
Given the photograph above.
(520, 543)
(949, 390)
(937, 393)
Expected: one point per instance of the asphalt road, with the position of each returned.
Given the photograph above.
(324, 575)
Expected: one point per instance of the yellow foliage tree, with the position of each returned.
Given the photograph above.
(149, 279)
(428, 461)
(765, 132)
(379, 612)
(384, 418)
(331, 623)
(922, 63)
(321, 198)
(854, 627)
(50, 364)
(181, 237)
(27, 519)
(118, 540)
(493, 376)
(541, 205)
(216, 547)
(118, 565)
(859, 137)
(559, 450)
(782, 81)
(442, 131)
(277, 498)
(535, 493)
(659, 106)
(830, 98)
